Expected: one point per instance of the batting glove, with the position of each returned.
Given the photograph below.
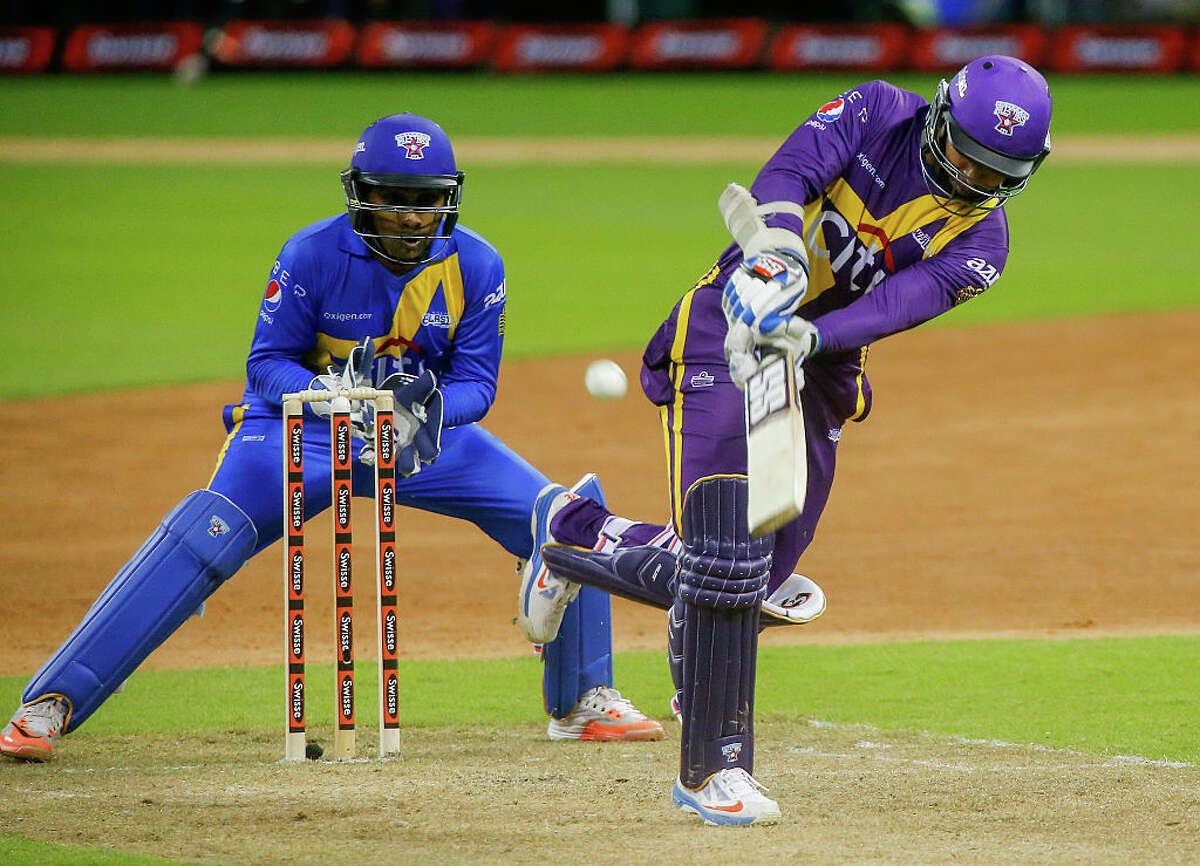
(793, 334)
(766, 289)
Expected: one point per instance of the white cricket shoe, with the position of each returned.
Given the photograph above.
(34, 729)
(603, 714)
(729, 798)
(544, 596)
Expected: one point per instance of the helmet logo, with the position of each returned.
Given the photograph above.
(831, 111)
(1009, 116)
(414, 143)
(960, 82)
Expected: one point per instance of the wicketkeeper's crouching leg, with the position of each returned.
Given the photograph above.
(203, 541)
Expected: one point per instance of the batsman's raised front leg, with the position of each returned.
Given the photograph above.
(578, 675)
(199, 545)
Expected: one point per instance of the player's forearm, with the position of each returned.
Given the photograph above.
(270, 378)
(885, 311)
(466, 400)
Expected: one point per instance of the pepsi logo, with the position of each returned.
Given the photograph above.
(273, 296)
(831, 111)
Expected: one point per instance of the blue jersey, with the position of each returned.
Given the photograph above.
(326, 292)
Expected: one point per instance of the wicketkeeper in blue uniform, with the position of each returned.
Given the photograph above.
(879, 212)
(392, 294)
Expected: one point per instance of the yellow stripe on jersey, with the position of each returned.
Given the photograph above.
(673, 435)
(444, 276)
(442, 279)
(870, 229)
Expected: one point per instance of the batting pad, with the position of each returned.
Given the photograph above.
(722, 582)
(196, 548)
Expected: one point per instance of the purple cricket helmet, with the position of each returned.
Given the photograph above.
(996, 111)
(402, 151)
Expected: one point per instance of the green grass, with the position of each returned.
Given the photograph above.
(1105, 696)
(154, 274)
(340, 103)
(14, 849)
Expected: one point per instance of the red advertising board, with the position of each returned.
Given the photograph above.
(25, 49)
(583, 47)
(948, 48)
(833, 46)
(448, 44)
(734, 43)
(114, 47)
(316, 43)
(1113, 49)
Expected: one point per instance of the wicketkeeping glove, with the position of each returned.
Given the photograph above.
(357, 373)
(418, 422)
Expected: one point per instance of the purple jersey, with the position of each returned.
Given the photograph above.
(883, 255)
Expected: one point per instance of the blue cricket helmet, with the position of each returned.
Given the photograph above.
(404, 151)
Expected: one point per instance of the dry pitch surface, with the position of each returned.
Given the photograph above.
(472, 795)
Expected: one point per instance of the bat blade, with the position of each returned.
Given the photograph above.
(776, 462)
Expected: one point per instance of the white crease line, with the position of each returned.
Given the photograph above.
(1105, 760)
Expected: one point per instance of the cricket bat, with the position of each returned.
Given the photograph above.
(776, 454)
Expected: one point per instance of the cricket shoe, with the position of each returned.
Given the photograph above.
(602, 714)
(544, 596)
(729, 798)
(34, 729)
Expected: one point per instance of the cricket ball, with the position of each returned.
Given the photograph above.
(605, 380)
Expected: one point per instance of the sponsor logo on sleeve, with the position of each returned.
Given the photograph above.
(987, 273)
(414, 144)
(273, 296)
(496, 297)
(831, 111)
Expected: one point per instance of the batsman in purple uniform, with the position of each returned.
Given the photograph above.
(879, 212)
(393, 291)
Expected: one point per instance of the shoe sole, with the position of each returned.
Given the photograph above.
(34, 754)
(606, 733)
(716, 818)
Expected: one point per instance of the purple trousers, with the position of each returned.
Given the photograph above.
(685, 374)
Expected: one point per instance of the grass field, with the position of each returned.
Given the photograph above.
(121, 276)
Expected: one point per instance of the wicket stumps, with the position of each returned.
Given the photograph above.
(385, 562)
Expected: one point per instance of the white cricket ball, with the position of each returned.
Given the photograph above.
(605, 380)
